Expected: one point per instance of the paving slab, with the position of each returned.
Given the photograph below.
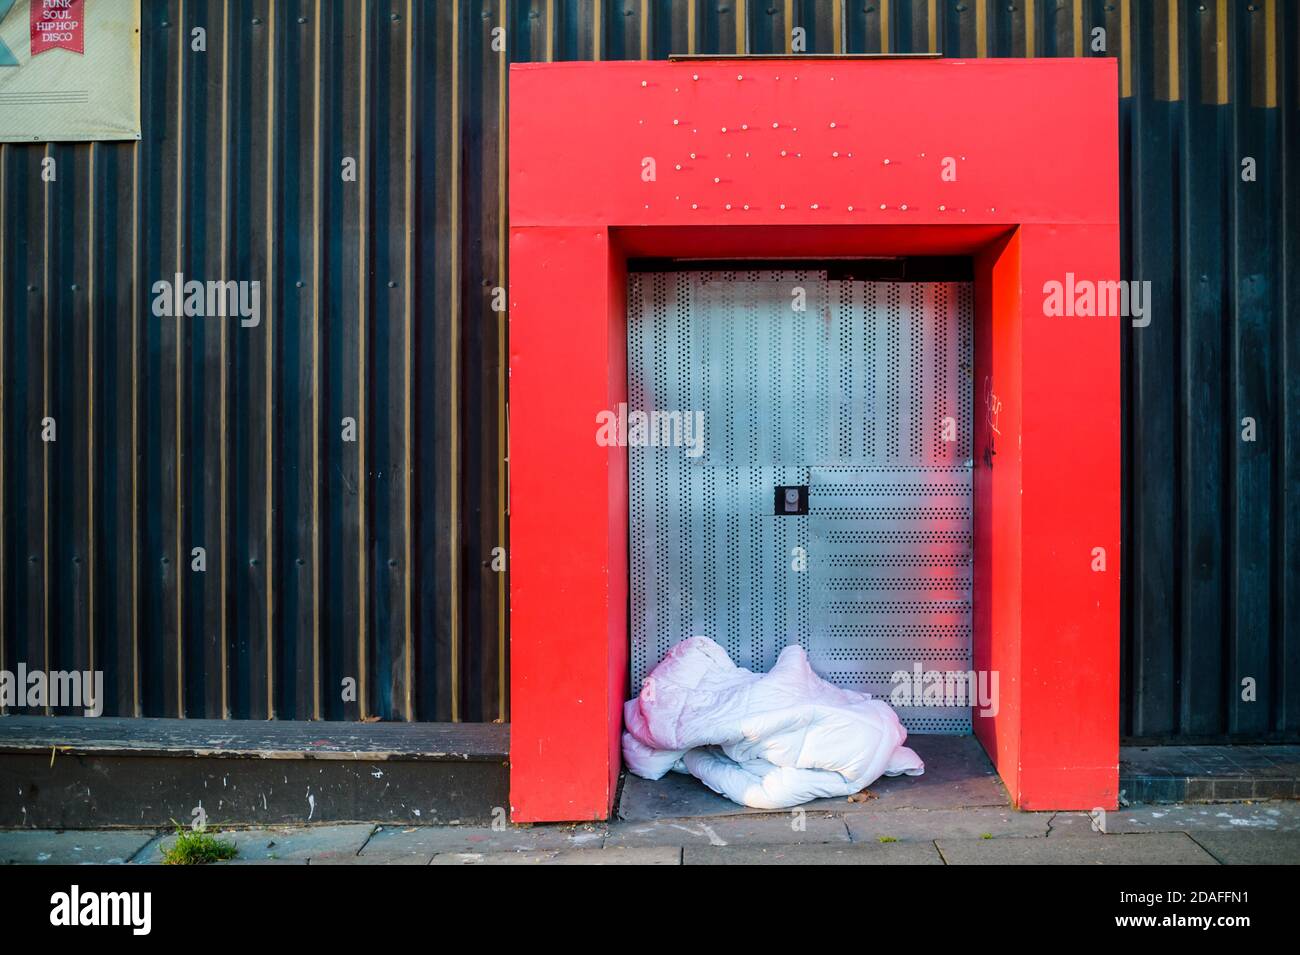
(656, 855)
(279, 843)
(1074, 824)
(926, 825)
(1251, 847)
(263, 862)
(382, 859)
(71, 847)
(423, 842)
(1156, 848)
(957, 775)
(791, 828)
(1221, 817)
(898, 853)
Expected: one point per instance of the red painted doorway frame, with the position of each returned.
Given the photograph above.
(820, 158)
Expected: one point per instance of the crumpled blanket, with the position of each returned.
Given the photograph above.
(767, 740)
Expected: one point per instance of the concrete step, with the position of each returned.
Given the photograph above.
(75, 773)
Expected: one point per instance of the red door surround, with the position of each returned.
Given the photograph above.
(1013, 162)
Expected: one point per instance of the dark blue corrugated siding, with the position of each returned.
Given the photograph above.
(372, 560)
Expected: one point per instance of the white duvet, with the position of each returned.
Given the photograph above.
(766, 740)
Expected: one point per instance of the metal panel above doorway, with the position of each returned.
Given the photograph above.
(858, 392)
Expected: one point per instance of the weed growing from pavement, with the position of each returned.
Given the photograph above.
(196, 847)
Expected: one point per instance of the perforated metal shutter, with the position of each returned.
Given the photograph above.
(864, 396)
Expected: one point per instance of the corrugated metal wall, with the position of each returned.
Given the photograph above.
(373, 560)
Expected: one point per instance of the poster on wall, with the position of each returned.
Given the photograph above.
(69, 70)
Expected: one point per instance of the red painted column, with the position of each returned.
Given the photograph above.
(1046, 496)
(1070, 448)
(996, 498)
(568, 581)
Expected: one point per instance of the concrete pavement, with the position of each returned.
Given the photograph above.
(1204, 834)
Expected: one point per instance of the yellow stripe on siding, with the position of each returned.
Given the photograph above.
(271, 193)
(454, 420)
(4, 157)
(1270, 53)
(90, 412)
(1125, 49)
(1171, 35)
(363, 98)
(137, 709)
(46, 409)
(317, 279)
(1221, 94)
(408, 302)
(180, 366)
(223, 377)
